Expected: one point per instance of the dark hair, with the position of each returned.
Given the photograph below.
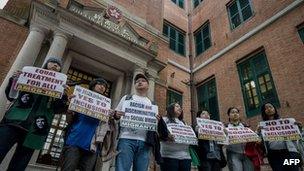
(265, 116)
(171, 113)
(198, 113)
(229, 110)
(98, 81)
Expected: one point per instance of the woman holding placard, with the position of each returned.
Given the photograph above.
(236, 157)
(176, 157)
(210, 153)
(278, 152)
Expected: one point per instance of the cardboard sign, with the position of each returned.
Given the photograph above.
(238, 135)
(90, 103)
(41, 81)
(280, 130)
(183, 134)
(210, 130)
(139, 115)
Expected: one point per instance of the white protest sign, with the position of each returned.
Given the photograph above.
(280, 130)
(41, 81)
(210, 130)
(90, 103)
(238, 135)
(139, 115)
(183, 134)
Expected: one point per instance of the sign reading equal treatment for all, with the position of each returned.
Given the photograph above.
(241, 135)
(210, 130)
(90, 103)
(280, 130)
(139, 115)
(183, 134)
(41, 81)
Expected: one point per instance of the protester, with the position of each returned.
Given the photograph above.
(28, 120)
(135, 145)
(210, 153)
(236, 157)
(175, 156)
(81, 135)
(278, 151)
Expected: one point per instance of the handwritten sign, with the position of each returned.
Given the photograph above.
(183, 134)
(139, 115)
(238, 135)
(280, 130)
(90, 103)
(41, 81)
(210, 130)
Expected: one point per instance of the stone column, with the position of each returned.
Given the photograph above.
(58, 46)
(26, 56)
(151, 87)
(118, 90)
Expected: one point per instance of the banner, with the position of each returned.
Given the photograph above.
(241, 135)
(183, 134)
(41, 81)
(139, 115)
(280, 130)
(210, 130)
(90, 103)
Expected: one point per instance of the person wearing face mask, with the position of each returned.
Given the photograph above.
(176, 157)
(82, 131)
(210, 153)
(236, 157)
(278, 151)
(27, 121)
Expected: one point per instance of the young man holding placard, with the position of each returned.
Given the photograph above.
(133, 144)
(81, 135)
(28, 120)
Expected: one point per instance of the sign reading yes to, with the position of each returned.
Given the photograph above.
(210, 130)
(90, 103)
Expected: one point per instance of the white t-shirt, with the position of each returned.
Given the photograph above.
(174, 150)
(129, 133)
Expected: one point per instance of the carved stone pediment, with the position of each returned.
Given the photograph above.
(123, 29)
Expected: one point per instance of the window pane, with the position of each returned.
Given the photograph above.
(198, 37)
(181, 3)
(172, 44)
(181, 38)
(233, 9)
(207, 98)
(166, 30)
(206, 31)
(172, 33)
(247, 13)
(244, 3)
(199, 48)
(207, 43)
(301, 33)
(181, 49)
(174, 97)
(195, 3)
(235, 21)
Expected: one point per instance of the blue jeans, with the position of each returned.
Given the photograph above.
(134, 152)
(9, 135)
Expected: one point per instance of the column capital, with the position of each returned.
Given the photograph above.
(42, 30)
(58, 33)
